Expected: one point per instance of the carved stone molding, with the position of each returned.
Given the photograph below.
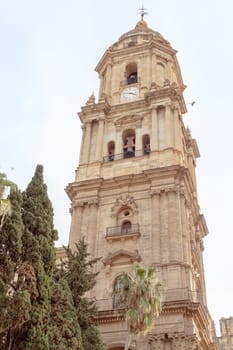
(82, 203)
(129, 121)
(130, 256)
(178, 341)
(124, 201)
(167, 189)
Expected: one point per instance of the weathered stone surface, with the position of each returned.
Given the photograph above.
(135, 196)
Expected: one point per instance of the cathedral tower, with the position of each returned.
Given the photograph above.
(134, 197)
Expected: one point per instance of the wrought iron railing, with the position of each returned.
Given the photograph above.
(122, 231)
(137, 153)
(179, 294)
(126, 82)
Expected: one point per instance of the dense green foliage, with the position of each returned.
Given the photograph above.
(42, 308)
(78, 272)
(5, 204)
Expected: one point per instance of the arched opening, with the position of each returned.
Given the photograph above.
(146, 144)
(129, 143)
(116, 301)
(131, 73)
(160, 73)
(111, 150)
(126, 226)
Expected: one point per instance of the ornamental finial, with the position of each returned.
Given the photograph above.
(143, 12)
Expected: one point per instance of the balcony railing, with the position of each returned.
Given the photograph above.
(126, 82)
(169, 296)
(137, 153)
(118, 232)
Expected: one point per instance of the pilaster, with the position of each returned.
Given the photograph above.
(99, 142)
(156, 225)
(76, 224)
(87, 140)
(154, 130)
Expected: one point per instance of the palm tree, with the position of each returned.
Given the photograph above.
(142, 299)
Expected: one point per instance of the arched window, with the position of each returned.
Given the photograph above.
(111, 150)
(131, 73)
(115, 301)
(129, 143)
(126, 226)
(146, 144)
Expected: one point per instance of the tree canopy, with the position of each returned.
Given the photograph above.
(43, 308)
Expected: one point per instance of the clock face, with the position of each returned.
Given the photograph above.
(129, 94)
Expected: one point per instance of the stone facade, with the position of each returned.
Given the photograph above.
(134, 197)
(226, 339)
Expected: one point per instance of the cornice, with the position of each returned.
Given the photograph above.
(73, 188)
(93, 111)
(171, 91)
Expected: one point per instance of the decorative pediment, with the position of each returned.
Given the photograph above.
(129, 120)
(124, 201)
(121, 257)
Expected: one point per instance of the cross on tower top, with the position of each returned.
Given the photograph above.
(143, 12)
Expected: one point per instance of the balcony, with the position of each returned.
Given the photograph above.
(169, 297)
(121, 233)
(137, 153)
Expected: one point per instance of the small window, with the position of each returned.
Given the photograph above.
(116, 302)
(132, 73)
(126, 227)
(146, 144)
(129, 143)
(111, 150)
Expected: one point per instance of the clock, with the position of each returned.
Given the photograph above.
(129, 93)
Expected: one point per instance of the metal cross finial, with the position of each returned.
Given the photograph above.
(142, 12)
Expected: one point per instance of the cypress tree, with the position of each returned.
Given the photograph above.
(39, 252)
(14, 300)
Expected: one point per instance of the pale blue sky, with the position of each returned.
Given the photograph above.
(49, 50)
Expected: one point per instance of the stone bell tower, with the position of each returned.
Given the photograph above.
(134, 197)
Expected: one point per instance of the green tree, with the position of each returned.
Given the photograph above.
(38, 251)
(78, 271)
(5, 204)
(14, 300)
(141, 297)
(64, 331)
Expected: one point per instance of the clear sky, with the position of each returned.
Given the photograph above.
(49, 50)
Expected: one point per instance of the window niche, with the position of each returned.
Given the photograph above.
(111, 150)
(146, 144)
(131, 73)
(128, 143)
(116, 304)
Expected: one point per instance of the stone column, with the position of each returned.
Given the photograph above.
(82, 144)
(76, 224)
(164, 238)
(169, 126)
(153, 68)
(119, 143)
(155, 226)
(86, 143)
(154, 130)
(92, 227)
(108, 79)
(101, 88)
(184, 227)
(138, 140)
(173, 217)
(99, 141)
(177, 133)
